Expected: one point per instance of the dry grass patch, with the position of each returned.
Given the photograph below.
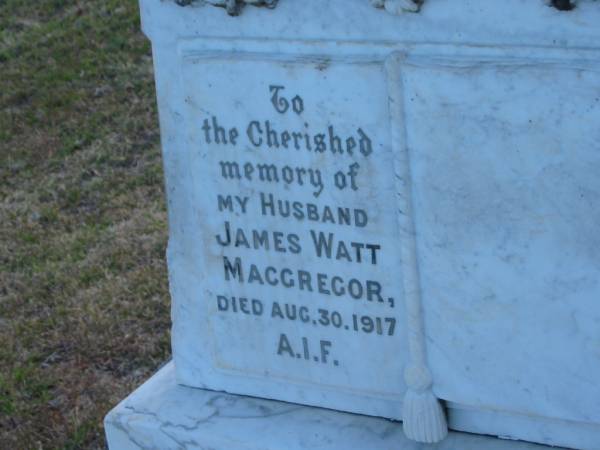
(83, 294)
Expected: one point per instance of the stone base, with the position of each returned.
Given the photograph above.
(163, 415)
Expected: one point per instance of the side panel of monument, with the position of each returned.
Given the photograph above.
(319, 184)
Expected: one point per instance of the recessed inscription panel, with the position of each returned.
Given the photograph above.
(295, 203)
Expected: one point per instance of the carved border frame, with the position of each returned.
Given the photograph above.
(199, 50)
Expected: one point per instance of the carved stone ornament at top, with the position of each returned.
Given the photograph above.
(234, 7)
(398, 6)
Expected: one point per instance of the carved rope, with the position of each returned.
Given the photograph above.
(423, 417)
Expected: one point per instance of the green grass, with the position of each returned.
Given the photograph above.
(83, 292)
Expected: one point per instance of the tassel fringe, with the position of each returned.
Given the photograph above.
(424, 419)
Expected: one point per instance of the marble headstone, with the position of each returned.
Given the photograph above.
(388, 214)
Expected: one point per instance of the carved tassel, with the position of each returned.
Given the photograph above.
(423, 417)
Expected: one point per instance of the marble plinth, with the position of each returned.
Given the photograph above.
(164, 415)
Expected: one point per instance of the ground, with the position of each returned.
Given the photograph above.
(84, 306)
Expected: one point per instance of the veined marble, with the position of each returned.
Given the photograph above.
(163, 415)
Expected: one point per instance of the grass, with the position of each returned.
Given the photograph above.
(83, 286)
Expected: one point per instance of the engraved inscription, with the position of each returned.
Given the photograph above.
(295, 203)
(323, 244)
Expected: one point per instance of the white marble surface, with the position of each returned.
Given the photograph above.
(499, 118)
(323, 313)
(162, 415)
(507, 216)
